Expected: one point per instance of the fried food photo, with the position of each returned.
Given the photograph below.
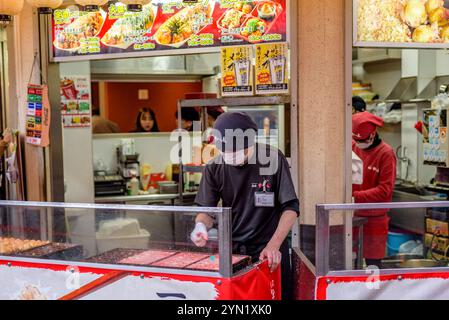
(421, 21)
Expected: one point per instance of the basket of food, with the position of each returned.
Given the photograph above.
(181, 27)
(123, 32)
(262, 18)
(87, 25)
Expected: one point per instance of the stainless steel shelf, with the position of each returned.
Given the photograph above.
(150, 197)
(193, 169)
(235, 102)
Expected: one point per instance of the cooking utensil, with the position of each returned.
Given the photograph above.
(168, 187)
(423, 263)
(393, 261)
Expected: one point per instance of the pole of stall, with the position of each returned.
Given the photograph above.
(181, 171)
(225, 242)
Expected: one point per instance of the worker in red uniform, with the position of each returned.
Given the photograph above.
(379, 175)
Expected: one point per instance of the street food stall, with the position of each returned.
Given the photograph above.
(236, 50)
(80, 251)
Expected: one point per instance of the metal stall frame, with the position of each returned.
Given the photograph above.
(224, 216)
(219, 102)
(322, 240)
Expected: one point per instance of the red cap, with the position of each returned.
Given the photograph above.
(364, 124)
(419, 126)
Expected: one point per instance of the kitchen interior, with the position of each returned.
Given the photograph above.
(408, 88)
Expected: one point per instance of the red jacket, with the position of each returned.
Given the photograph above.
(379, 176)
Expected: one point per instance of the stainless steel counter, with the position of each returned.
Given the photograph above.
(413, 219)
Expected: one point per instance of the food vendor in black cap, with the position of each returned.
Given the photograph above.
(254, 180)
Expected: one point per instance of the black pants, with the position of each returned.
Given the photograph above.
(374, 263)
(286, 268)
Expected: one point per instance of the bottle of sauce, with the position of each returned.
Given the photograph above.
(133, 186)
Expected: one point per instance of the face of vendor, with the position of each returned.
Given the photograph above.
(238, 158)
(365, 144)
(146, 121)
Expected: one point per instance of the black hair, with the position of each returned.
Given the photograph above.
(153, 116)
(189, 114)
(215, 112)
(358, 104)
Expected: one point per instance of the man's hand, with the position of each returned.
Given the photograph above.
(273, 255)
(199, 235)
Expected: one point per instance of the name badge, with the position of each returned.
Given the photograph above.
(264, 200)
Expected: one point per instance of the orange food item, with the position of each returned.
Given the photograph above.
(11, 245)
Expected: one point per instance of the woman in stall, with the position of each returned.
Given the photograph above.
(146, 121)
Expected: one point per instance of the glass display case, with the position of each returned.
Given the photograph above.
(356, 252)
(113, 234)
(110, 247)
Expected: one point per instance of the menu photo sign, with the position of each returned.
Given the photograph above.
(237, 71)
(272, 68)
(401, 23)
(38, 116)
(75, 102)
(166, 25)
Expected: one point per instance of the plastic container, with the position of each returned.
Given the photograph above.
(409, 246)
(395, 240)
(141, 241)
(133, 186)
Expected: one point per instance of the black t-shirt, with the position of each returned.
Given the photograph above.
(236, 187)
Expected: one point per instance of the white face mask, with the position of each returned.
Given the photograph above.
(365, 145)
(235, 159)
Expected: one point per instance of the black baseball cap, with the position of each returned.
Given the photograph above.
(234, 132)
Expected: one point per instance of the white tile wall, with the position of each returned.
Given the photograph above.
(156, 149)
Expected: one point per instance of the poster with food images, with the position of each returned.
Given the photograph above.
(237, 71)
(166, 25)
(38, 116)
(272, 68)
(401, 23)
(75, 102)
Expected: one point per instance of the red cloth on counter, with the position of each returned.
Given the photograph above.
(379, 175)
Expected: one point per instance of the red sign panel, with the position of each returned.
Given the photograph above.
(167, 25)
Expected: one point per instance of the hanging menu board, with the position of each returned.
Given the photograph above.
(236, 71)
(166, 25)
(401, 23)
(75, 102)
(272, 68)
(38, 116)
